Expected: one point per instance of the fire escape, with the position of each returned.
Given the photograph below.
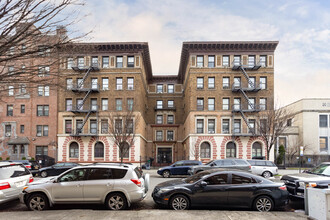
(244, 106)
(86, 89)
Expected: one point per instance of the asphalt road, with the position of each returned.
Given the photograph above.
(146, 204)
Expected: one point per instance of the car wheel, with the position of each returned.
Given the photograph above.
(179, 202)
(166, 174)
(263, 204)
(37, 202)
(44, 174)
(116, 201)
(266, 174)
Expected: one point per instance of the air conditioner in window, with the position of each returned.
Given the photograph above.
(8, 134)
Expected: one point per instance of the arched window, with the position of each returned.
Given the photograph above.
(125, 151)
(205, 150)
(231, 150)
(74, 150)
(99, 149)
(256, 150)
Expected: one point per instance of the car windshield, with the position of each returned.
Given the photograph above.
(209, 163)
(196, 177)
(323, 169)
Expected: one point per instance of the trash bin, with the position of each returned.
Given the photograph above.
(318, 203)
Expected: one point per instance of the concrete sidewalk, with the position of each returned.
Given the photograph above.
(151, 214)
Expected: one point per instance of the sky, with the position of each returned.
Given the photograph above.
(302, 27)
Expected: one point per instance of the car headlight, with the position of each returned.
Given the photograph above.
(164, 190)
(159, 169)
(302, 184)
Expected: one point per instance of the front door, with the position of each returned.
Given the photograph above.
(164, 155)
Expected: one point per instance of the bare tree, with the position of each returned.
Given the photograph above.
(122, 130)
(293, 149)
(31, 32)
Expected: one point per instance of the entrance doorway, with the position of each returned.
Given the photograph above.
(164, 155)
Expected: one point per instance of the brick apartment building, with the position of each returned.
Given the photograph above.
(208, 111)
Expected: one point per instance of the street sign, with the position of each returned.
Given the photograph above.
(301, 151)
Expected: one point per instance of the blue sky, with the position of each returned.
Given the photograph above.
(302, 58)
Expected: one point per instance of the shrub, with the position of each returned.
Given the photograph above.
(0, 158)
(8, 158)
(23, 158)
(281, 154)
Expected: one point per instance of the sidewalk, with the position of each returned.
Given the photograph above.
(152, 214)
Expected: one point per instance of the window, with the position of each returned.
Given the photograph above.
(211, 126)
(119, 83)
(263, 125)
(41, 150)
(118, 126)
(129, 126)
(95, 61)
(94, 106)
(200, 82)
(43, 90)
(10, 110)
(237, 60)
(105, 62)
(74, 150)
(94, 83)
(200, 104)
(104, 126)
(8, 130)
(170, 135)
(211, 61)
(22, 89)
(252, 102)
(239, 179)
(237, 126)
(119, 63)
(252, 82)
(323, 144)
(159, 135)
(263, 61)
(130, 103)
(159, 119)
(99, 149)
(170, 88)
(69, 84)
(93, 126)
(10, 90)
(69, 63)
(43, 51)
(68, 126)
(130, 83)
(79, 104)
(68, 104)
(225, 82)
(42, 130)
(237, 103)
(130, 61)
(42, 110)
(237, 81)
(170, 119)
(211, 102)
(200, 126)
(263, 103)
(231, 150)
(79, 124)
(119, 104)
(323, 121)
(159, 88)
(252, 60)
(124, 152)
(22, 109)
(225, 61)
(252, 123)
(23, 68)
(200, 61)
(217, 179)
(159, 104)
(170, 104)
(43, 71)
(225, 104)
(22, 129)
(104, 104)
(289, 122)
(225, 126)
(211, 81)
(80, 83)
(23, 48)
(105, 83)
(205, 150)
(256, 150)
(263, 82)
(11, 70)
(81, 62)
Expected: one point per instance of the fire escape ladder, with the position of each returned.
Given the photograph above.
(250, 83)
(85, 77)
(250, 129)
(84, 122)
(251, 105)
(84, 99)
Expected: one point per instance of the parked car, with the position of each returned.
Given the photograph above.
(115, 185)
(56, 169)
(221, 188)
(13, 177)
(318, 177)
(263, 168)
(178, 168)
(32, 165)
(223, 163)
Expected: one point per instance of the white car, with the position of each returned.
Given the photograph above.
(263, 168)
(115, 185)
(13, 178)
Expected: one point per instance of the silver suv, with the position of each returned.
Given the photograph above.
(13, 177)
(115, 185)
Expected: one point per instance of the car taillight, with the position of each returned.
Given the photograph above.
(250, 166)
(282, 187)
(137, 182)
(4, 186)
(31, 179)
(28, 166)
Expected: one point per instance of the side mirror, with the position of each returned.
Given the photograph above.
(55, 180)
(203, 184)
(173, 165)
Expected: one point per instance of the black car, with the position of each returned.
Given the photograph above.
(56, 169)
(318, 177)
(178, 168)
(224, 188)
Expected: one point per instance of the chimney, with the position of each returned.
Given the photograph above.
(61, 32)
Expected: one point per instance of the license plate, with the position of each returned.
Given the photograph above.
(300, 194)
(20, 184)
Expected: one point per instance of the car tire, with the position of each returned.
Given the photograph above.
(37, 202)
(263, 204)
(44, 174)
(267, 174)
(116, 201)
(166, 174)
(179, 202)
